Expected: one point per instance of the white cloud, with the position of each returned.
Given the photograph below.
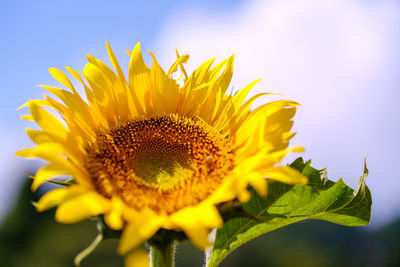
(339, 59)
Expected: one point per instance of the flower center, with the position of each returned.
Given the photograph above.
(164, 163)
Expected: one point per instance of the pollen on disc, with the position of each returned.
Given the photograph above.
(163, 163)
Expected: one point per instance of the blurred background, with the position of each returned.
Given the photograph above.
(340, 59)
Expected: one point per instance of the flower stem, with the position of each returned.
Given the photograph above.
(162, 255)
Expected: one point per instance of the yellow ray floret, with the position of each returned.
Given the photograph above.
(147, 153)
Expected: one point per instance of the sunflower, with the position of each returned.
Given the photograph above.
(152, 152)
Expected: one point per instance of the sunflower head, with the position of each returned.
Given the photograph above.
(149, 153)
(165, 163)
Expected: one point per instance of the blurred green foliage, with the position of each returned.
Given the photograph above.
(28, 238)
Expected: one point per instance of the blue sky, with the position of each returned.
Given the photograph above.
(40, 34)
(339, 59)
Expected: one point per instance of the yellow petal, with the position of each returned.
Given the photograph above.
(45, 152)
(98, 82)
(130, 239)
(81, 207)
(46, 172)
(102, 67)
(205, 214)
(114, 218)
(115, 63)
(90, 96)
(241, 115)
(53, 145)
(40, 102)
(137, 258)
(52, 199)
(241, 95)
(62, 78)
(225, 192)
(209, 216)
(81, 113)
(137, 231)
(39, 137)
(286, 175)
(259, 183)
(244, 196)
(179, 61)
(138, 77)
(181, 65)
(27, 117)
(198, 235)
(160, 81)
(225, 77)
(47, 121)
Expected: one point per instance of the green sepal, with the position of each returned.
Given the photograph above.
(163, 237)
(62, 182)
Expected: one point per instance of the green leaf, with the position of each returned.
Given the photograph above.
(285, 204)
